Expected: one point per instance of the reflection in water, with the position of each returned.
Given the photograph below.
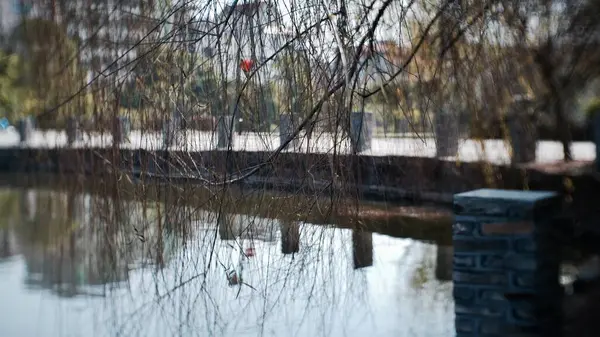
(201, 283)
(290, 237)
(29, 204)
(225, 224)
(7, 248)
(72, 241)
(62, 251)
(362, 248)
(443, 263)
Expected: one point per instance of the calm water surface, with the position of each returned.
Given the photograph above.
(78, 265)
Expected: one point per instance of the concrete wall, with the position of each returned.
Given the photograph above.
(392, 178)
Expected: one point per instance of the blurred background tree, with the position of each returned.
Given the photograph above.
(49, 70)
(16, 98)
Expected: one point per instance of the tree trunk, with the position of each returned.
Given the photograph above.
(557, 93)
(562, 127)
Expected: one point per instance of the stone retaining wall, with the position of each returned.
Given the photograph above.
(391, 178)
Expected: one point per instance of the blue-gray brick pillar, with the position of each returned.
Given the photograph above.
(596, 126)
(402, 125)
(171, 130)
(506, 264)
(446, 128)
(74, 132)
(362, 125)
(26, 126)
(122, 129)
(167, 134)
(286, 129)
(224, 131)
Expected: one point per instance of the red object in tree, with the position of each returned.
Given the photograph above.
(250, 252)
(246, 65)
(232, 278)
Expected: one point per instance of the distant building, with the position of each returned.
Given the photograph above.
(383, 59)
(106, 31)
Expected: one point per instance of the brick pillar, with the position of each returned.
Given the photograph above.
(290, 237)
(224, 132)
(172, 131)
(362, 125)
(74, 132)
(506, 264)
(446, 128)
(362, 248)
(286, 129)
(26, 127)
(121, 129)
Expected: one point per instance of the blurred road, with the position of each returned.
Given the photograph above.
(494, 151)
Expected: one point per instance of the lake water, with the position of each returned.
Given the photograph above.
(80, 265)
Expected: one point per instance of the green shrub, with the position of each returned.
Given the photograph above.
(593, 107)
